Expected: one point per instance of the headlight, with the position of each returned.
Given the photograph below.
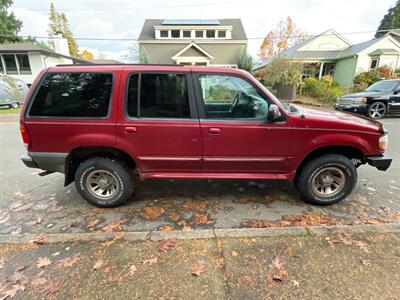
(361, 100)
(383, 142)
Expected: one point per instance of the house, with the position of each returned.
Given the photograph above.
(332, 54)
(25, 60)
(216, 42)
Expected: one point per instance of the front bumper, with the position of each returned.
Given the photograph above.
(381, 162)
(359, 109)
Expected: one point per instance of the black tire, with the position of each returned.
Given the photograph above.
(311, 177)
(113, 169)
(377, 110)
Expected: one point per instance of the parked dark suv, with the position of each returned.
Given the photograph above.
(103, 125)
(380, 99)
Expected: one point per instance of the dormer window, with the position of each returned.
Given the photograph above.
(186, 33)
(175, 34)
(164, 33)
(210, 34)
(221, 34)
(199, 33)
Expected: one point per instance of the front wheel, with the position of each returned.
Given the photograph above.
(327, 179)
(104, 182)
(376, 110)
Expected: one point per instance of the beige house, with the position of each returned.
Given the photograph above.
(193, 42)
(24, 61)
(330, 53)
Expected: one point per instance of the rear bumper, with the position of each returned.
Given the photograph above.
(49, 161)
(381, 162)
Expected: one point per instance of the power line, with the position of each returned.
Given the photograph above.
(136, 39)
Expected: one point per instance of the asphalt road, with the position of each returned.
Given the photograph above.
(33, 204)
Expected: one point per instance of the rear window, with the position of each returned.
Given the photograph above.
(77, 95)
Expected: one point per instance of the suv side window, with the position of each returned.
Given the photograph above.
(74, 94)
(231, 97)
(160, 96)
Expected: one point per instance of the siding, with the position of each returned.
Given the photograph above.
(224, 54)
(344, 71)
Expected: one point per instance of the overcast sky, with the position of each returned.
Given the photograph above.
(124, 18)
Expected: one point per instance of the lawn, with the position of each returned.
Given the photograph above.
(10, 111)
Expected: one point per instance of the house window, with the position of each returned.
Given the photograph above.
(374, 64)
(175, 34)
(164, 33)
(1, 66)
(222, 34)
(10, 64)
(186, 33)
(210, 34)
(24, 66)
(199, 33)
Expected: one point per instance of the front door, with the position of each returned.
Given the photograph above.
(159, 124)
(236, 135)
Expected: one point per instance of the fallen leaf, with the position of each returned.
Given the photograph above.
(17, 278)
(38, 281)
(21, 268)
(186, 228)
(198, 269)
(362, 245)
(202, 219)
(10, 293)
(277, 278)
(365, 261)
(43, 262)
(114, 226)
(132, 270)
(92, 223)
(49, 289)
(295, 283)
(234, 253)
(69, 261)
(166, 245)
(150, 261)
(166, 228)
(38, 239)
(277, 263)
(56, 253)
(151, 212)
(246, 279)
(98, 264)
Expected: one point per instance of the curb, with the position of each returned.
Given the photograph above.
(53, 238)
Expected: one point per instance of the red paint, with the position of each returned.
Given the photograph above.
(201, 149)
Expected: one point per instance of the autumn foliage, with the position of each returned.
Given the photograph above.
(284, 36)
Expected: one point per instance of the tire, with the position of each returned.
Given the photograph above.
(14, 105)
(104, 182)
(327, 179)
(377, 110)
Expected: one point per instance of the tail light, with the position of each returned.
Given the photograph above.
(25, 136)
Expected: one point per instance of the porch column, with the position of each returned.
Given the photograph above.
(321, 68)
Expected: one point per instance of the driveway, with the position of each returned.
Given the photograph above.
(33, 204)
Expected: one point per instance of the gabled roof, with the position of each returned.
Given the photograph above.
(29, 47)
(194, 45)
(148, 33)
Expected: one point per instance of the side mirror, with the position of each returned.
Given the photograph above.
(273, 113)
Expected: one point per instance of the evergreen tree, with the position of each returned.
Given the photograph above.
(390, 21)
(245, 61)
(9, 24)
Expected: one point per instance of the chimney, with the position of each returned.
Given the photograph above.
(61, 45)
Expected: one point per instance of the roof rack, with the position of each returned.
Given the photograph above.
(122, 64)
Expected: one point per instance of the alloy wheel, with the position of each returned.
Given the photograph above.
(377, 110)
(102, 184)
(328, 182)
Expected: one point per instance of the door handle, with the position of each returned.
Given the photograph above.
(130, 129)
(214, 130)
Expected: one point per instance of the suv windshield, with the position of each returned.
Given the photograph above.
(382, 86)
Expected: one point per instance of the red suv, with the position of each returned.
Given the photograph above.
(103, 125)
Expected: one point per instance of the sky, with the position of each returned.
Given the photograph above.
(124, 18)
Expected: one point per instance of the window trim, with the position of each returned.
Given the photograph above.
(4, 64)
(35, 92)
(377, 63)
(201, 106)
(194, 114)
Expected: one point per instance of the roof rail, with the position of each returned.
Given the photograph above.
(122, 64)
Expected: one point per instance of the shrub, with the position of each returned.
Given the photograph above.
(365, 79)
(245, 61)
(282, 71)
(326, 89)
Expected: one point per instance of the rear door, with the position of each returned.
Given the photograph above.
(158, 121)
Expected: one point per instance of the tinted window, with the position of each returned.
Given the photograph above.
(73, 95)
(228, 97)
(132, 104)
(161, 96)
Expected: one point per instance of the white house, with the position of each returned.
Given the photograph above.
(25, 60)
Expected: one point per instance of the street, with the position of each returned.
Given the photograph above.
(33, 204)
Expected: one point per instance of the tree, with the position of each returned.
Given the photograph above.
(245, 61)
(86, 54)
(136, 55)
(59, 25)
(9, 24)
(390, 21)
(284, 36)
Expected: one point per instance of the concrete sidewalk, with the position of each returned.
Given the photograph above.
(266, 264)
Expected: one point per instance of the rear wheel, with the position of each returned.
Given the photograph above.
(14, 105)
(376, 110)
(104, 182)
(327, 179)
